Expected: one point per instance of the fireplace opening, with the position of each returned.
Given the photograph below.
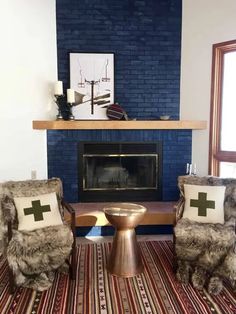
(119, 171)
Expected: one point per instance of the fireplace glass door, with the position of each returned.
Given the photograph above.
(120, 171)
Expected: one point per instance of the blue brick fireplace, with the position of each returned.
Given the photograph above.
(145, 36)
(63, 159)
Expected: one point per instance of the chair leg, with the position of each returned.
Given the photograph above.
(11, 281)
(175, 262)
(73, 262)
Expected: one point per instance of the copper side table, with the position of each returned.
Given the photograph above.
(125, 259)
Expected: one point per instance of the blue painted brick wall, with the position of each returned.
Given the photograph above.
(145, 36)
(62, 155)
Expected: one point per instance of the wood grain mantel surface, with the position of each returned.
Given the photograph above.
(119, 125)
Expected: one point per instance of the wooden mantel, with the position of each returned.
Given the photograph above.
(120, 125)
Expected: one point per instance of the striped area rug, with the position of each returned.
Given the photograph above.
(95, 291)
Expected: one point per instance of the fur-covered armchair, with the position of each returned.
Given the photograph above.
(34, 255)
(205, 252)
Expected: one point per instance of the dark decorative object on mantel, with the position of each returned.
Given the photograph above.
(116, 112)
(64, 104)
(70, 113)
(59, 101)
(70, 103)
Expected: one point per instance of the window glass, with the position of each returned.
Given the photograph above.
(228, 114)
(228, 169)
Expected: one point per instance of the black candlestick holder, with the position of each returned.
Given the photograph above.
(59, 102)
(70, 106)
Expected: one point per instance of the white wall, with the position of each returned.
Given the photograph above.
(204, 23)
(28, 68)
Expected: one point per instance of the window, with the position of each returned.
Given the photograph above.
(222, 147)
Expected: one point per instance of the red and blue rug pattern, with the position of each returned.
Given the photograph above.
(155, 291)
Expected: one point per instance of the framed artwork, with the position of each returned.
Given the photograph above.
(92, 78)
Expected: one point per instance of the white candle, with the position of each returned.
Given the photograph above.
(70, 96)
(58, 88)
(190, 169)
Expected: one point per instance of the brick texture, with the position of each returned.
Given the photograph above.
(145, 36)
(62, 155)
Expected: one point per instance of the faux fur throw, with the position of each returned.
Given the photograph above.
(206, 252)
(11, 189)
(205, 245)
(33, 255)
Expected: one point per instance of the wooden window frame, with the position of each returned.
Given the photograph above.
(216, 155)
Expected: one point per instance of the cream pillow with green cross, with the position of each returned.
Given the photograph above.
(37, 211)
(204, 203)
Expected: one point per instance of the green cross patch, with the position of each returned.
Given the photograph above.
(202, 203)
(37, 210)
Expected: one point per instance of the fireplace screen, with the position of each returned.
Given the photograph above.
(120, 171)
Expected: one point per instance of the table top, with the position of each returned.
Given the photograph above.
(124, 209)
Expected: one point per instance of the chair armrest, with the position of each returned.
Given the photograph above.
(71, 211)
(68, 207)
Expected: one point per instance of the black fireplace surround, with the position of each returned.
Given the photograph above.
(119, 171)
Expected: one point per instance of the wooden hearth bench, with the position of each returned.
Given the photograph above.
(91, 214)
